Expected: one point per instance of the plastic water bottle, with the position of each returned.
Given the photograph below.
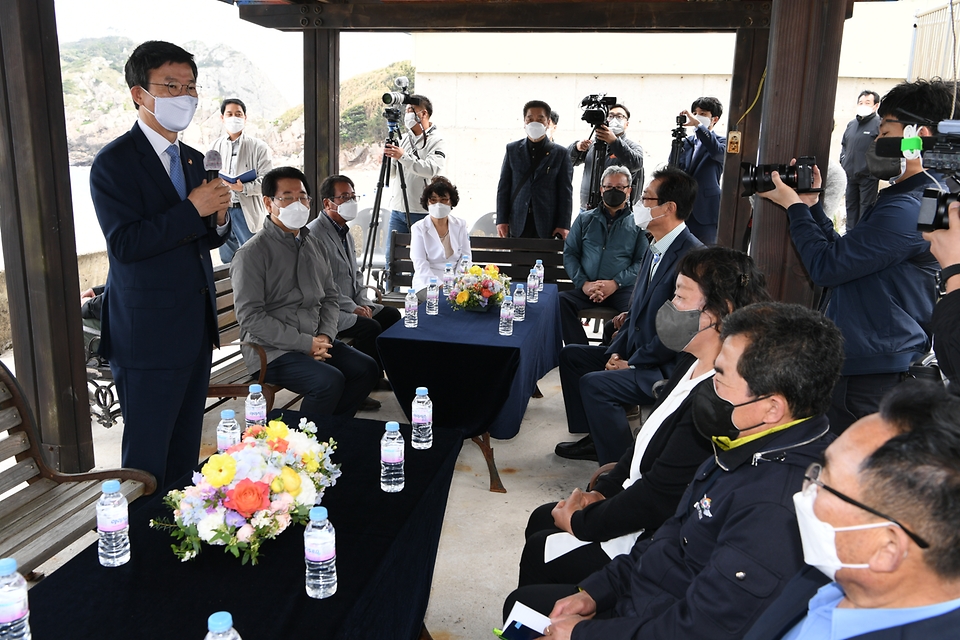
(422, 435)
(14, 609)
(320, 552)
(255, 407)
(539, 267)
(448, 278)
(464, 265)
(410, 309)
(228, 431)
(391, 459)
(220, 627)
(533, 287)
(433, 297)
(519, 304)
(113, 526)
(506, 316)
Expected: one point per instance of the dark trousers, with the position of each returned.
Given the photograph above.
(365, 331)
(163, 417)
(570, 568)
(857, 396)
(574, 301)
(860, 194)
(331, 387)
(594, 398)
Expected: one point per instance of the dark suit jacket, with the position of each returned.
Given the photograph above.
(705, 166)
(791, 607)
(160, 288)
(669, 463)
(637, 340)
(549, 190)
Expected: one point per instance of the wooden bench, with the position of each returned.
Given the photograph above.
(54, 509)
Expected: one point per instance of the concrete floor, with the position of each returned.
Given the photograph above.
(482, 532)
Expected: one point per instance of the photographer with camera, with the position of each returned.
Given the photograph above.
(621, 151)
(881, 274)
(421, 157)
(945, 246)
(702, 157)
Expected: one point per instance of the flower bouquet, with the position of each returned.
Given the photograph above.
(478, 289)
(252, 491)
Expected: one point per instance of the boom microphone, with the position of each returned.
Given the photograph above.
(212, 164)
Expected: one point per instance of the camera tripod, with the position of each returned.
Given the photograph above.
(384, 181)
(679, 135)
(596, 168)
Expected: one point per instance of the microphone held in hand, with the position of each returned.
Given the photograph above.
(212, 164)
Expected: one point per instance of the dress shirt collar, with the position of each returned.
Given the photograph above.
(157, 141)
(663, 244)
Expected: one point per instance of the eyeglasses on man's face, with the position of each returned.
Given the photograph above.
(344, 197)
(646, 199)
(285, 200)
(812, 477)
(175, 89)
(617, 116)
(607, 187)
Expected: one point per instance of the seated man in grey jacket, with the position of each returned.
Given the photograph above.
(360, 319)
(286, 301)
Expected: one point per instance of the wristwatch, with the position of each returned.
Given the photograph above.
(946, 273)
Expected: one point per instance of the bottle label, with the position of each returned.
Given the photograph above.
(111, 518)
(319, 549)
(391, 453)
(256, 413)
(506, 315)
(227, 440)
(13, 606)
(422, 415)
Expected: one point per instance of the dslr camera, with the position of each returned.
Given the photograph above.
(596, 108)
(758, 179)
(397, 98)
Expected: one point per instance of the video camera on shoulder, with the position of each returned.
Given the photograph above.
(596, 108)
(759, 179)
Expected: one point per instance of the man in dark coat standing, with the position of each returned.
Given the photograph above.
(859, 134)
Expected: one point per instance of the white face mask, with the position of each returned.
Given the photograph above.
(863, 110)
(535, 130)
(704, 120)
(173, 114)
(348, 210)
(294, 215)
(643, 215)
(439, 210)
(616, 126)
(233, 124)
(410, 120)
(819, 538)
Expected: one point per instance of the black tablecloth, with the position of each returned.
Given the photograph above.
(386, 549)
(478, 380)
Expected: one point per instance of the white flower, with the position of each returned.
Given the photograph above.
(308, 491)
(208, 525)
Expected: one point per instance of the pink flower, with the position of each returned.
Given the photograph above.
(245, 533)
(281, 503)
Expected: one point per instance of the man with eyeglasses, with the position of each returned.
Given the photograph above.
(161, 220)
(621, 151)
(286, 301)
(702, 157)
(597, 381)
(602, 255)
(727, 553)
(880, 529)
(361, 319)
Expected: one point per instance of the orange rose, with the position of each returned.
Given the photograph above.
(487, 293)
(248, 497)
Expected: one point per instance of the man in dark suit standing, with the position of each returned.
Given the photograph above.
(597, 381)
(876, 519)
(159, 320)
(702, 158)
(535, 194)
(862, 187)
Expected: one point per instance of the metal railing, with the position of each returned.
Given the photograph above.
(934, 41)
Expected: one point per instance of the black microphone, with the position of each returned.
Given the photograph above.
(212, 163)
(890, 147)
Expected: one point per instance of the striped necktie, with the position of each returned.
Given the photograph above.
(176, 171)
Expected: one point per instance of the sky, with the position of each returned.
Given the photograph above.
(279, 54)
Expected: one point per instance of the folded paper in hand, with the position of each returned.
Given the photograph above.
(524, 623)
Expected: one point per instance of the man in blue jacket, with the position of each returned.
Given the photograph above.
(602, 255)
(881, 274)
(711, 570)
(875, 519)
(702, 158)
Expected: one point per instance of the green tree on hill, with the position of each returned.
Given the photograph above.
(361, 103)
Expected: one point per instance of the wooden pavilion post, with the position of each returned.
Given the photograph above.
(36, 221)
(321, 104)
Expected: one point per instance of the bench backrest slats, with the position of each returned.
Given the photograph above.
(20, 472)
(9, 418)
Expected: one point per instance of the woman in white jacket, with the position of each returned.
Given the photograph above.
(440, 237)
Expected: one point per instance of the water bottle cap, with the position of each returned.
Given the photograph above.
(421, 391)
(219, 622)
(539, 261)
(227, 414)
(533, 271)
(7, 566)
(255, 388)
(410, 290)
(449, 265)
(393, 426)
(318, 513)
(433, 280)
(508, 298)
(110, 486)
(519, 287)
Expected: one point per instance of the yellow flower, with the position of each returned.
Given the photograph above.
(475, 270)
(276, 429)
(288, 480)
(462, 297)
(491, 268)
(310, 462)
(219, 470)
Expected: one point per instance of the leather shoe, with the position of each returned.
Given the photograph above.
(582, 449)
(369, 404)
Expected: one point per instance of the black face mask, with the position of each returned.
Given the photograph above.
(882, 168)
(713, 416)
(613, 197)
